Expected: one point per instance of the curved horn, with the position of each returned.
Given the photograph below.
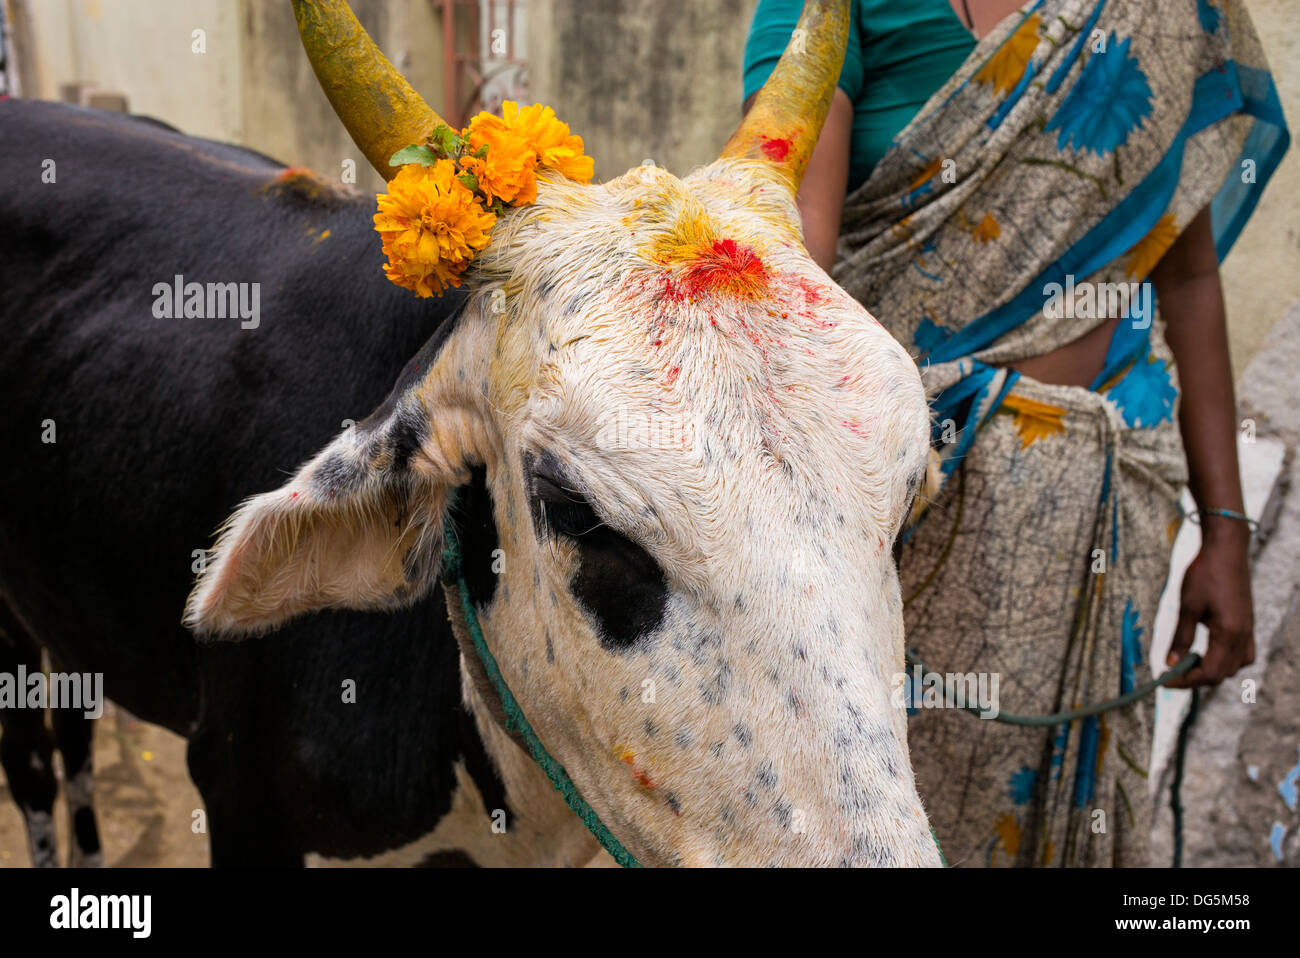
(786, 119)
(381, 111)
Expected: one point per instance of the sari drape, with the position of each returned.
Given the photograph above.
(1023, 206)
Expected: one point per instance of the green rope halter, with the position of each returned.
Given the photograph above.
(453, 571)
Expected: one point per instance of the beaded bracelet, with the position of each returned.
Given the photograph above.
(1227, 514)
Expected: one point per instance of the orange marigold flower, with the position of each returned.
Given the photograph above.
(548, 137)
(507, 170)
(1005, 68)
(431, 225)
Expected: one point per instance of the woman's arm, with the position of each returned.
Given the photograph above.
(821, 195)
(1216, 586)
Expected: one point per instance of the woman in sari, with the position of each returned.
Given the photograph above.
(1002, 186)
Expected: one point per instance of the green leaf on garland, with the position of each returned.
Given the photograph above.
(444, 139)
(414, 154)
(469, 179)
(481, 152)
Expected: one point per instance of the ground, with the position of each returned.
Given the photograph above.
(143, 795)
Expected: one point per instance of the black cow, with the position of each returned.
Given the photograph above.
(160, 425)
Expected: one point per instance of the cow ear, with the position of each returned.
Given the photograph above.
(360, 526)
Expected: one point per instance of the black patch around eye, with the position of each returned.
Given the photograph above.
(618, 583)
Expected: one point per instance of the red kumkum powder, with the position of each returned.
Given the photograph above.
(726, 267)
(775, 147)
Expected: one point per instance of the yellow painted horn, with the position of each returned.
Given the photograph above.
(786, 119)
(381, 111)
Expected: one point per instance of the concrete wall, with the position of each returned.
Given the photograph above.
(252, 83)
(1261, 276)
(642, 79)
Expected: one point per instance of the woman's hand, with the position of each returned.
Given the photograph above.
(1216, 586)
(1216, 591)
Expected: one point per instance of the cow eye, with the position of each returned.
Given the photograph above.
(617, 583)
(559, 504)
(567, 511)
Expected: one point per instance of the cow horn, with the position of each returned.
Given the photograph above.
(381, 111)
(786, 119)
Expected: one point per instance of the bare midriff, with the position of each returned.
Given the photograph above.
(1080, 362)
(1074, 364)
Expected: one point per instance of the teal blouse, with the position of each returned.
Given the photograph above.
(900, 52)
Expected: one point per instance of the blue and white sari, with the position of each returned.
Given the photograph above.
(1025, 205)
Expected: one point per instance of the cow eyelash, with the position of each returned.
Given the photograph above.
(566, 511)
(571, 518)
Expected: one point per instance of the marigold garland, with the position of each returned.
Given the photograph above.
(439, 210)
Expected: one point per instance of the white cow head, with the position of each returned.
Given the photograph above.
(699, 451)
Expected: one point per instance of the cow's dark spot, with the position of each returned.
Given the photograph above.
(869, 849)
(782, 811)
(338, 475)
(617, 583)
(716, 688)
(701, 642)
(408, 431)
(743, 735)
(766, 775)
(651, 729)
(550, 650)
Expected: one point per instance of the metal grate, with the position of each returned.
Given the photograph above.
(484, 55)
